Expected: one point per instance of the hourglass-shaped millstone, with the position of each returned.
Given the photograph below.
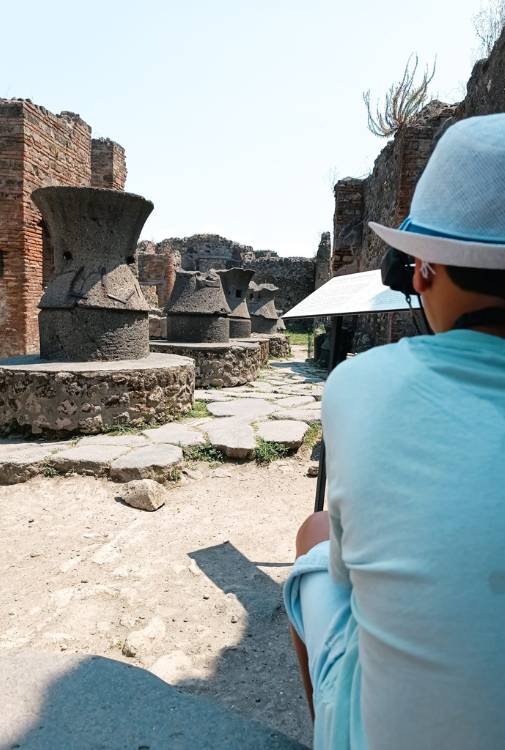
(261, 302)
(93, 307)
(197, 311)
(235, 285)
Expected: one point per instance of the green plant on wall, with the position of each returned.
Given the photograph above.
(403, 101)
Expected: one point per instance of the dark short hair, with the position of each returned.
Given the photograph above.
(480, 280)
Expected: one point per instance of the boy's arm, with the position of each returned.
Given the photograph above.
(333, 437)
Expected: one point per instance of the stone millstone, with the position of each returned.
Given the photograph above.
(155, 462)
(93, 307)
(287, 432)
(246, 409)
(144, 494)
(234, 437)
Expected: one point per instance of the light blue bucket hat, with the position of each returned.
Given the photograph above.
(457, 216)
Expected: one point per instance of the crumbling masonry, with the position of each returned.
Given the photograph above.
(37, 149)
(386, 194)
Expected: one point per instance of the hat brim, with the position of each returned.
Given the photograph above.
(442, 249)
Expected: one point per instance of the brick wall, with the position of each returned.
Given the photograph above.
(108, 164)
(157, 269)
(11, 223)
(37, 148)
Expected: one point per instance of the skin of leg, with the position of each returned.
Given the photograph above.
(315, 529)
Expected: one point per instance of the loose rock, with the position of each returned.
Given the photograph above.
(144, 494)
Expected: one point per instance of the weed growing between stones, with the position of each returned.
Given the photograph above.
(267, 451)
(49, 471)
(313, 435)
(206, 452)
(175, 474)
(198, 411)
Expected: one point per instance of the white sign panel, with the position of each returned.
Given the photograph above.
(349, 295)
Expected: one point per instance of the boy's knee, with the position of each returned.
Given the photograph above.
(315, 529)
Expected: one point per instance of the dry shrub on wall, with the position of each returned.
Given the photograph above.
(488, 24)
(403, 101)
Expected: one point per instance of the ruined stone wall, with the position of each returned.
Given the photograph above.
(201, 252)
(323, 261)
(108, 164)
(45, 149)
(347, 226)
(384, 197)
(157, 268)
(294, 276)
(37, 148)
(485, 90)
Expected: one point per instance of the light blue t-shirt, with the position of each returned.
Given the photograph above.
(415, 439)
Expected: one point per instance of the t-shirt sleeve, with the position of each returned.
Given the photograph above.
(333, 432)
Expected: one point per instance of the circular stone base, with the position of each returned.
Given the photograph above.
(263, 325)
(262, 341)
(279, 346)
(276, 346)
(218, 365)
(63, 398)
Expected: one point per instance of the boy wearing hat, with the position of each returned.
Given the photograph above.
(397, 596)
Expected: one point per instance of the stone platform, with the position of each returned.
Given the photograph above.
(218, 365)
(278, 407)
(64, 398)
(274, 345)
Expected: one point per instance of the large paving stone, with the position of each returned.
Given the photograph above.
(246, 408)
(127, 440)
(287, 432)
(303, 414)
(212, 395)
(24, 463)
(154, 462)
(295, 401)
(176, 434)
(234, 437)
(88, 459)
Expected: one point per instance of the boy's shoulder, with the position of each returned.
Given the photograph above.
(382, 364)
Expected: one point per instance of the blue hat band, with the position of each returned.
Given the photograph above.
(408, 226)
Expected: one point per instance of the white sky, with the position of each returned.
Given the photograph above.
(237, 115)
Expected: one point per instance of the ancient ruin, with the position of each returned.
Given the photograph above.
(95, 369)
(261, 302)
(235, 285)
(197, 311)
(158, 262)
(92, 308)
(39, 148)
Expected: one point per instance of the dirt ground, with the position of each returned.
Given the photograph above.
(200, 579)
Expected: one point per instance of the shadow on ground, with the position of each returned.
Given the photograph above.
(247, 677)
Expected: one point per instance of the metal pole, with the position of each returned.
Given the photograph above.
(336, 356)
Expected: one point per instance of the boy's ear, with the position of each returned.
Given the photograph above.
(421, 283)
